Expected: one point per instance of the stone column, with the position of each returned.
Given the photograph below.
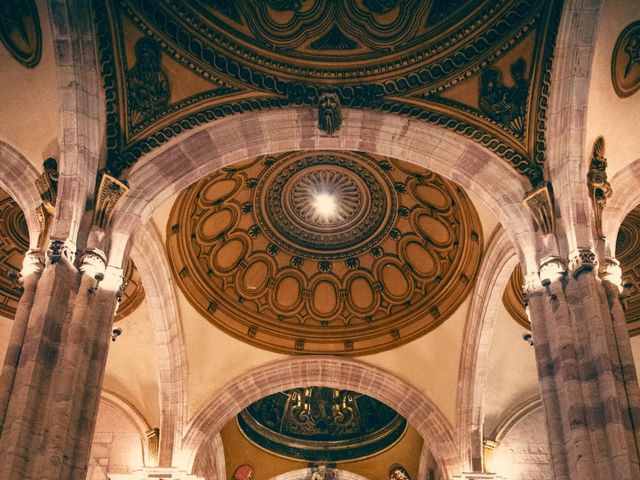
(586, 373)
(53, 401)
(31, 271)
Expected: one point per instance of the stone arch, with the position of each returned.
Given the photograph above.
(150, 258)
(566, 152)
(327, 371)
(202, 151)
(18, 178)
(499, 261)
(625, 197)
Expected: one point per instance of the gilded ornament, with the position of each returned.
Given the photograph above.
(321, 424)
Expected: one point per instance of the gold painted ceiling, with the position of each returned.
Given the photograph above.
(479, 68)
(627, 252)
(253, 251)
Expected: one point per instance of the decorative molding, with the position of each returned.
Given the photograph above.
(541, 205)
(625, 61)
(279, 276)
(599, 187)
(109, 193)
(20, 31)
(412, 75)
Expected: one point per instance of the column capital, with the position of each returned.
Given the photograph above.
(93, 262)
(552, 269)
(61, 251)
(611, 272)
(582, 260)
(33, 263)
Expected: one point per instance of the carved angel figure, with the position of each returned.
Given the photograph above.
(398, 473)
(329, 113)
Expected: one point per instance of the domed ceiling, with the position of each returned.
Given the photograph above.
(324, 252)
(321, 424)
(14, 243)
(627, 252)
(478, 68)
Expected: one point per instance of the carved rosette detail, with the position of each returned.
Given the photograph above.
(302, 283)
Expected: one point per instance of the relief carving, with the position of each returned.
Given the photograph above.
(502, 104)
(329, 113)
(147, 82)
(625, 62)
(599, 186)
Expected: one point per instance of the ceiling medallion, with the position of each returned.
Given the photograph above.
(324, 252)
(320, 424)
(625, 61)
(14, 243)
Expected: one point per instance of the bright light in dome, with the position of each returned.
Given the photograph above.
(325, 204)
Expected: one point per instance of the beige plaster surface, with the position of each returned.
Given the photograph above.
(511, 375)
(132, 367)
(615, 118)
(29, 107)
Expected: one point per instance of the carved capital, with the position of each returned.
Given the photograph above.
(610, 271)
(93, 263)
(33, 263)
(540, 204)
(110, 192)
(582, 260)
(329, 113)
(599, 187)
(552, 269)
(532, 284)
(61, 251)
